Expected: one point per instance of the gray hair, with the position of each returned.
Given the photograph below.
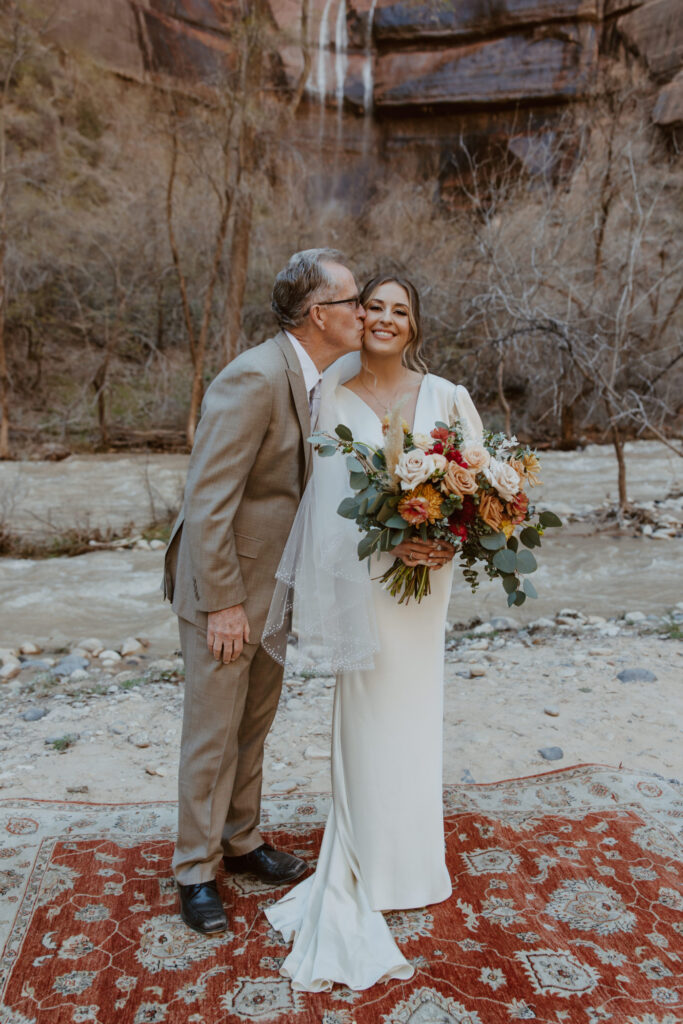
(304, 277)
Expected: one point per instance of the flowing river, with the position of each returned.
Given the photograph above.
(115, 594)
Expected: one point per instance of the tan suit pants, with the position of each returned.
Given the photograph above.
(227, 714)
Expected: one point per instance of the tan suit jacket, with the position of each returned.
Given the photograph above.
(248, 469)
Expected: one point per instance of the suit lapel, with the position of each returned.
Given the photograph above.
(299, 395)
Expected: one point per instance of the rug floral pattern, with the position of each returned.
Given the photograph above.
(567, 906)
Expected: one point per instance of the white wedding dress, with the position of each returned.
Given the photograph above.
(383, 846)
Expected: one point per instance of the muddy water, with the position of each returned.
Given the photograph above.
(114, 594)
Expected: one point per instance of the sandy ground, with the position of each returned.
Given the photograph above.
(507, 695)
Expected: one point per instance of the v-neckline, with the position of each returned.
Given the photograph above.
(369, 407)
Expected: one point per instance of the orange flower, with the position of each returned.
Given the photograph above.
(532, 468)
(518, 465)
(458, 480)
(421, 505)
(491, 510)
(517, 508)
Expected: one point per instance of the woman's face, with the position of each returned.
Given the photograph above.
(387, 321)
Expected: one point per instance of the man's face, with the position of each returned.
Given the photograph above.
(342, 312)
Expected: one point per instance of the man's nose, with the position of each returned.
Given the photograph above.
(361, 313)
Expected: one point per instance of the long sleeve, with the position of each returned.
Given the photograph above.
(236, 414)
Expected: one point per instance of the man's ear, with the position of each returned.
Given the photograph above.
(317, 317)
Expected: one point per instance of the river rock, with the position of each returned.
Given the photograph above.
(109, 655)
(139, 739)
(551, 753)
(484, 629)
(316, 754)
(10, 668)
(501, 623)
(72, 663)
(34, 714)
(477, 670)
(636, 675)
(92, 645)
(542, 623)
(79, 676)
(552, 711)
(29, 648)
(634, 617)
(157, 545)
(131, 645)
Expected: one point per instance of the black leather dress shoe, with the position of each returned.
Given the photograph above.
(268, 864)
(201, 907)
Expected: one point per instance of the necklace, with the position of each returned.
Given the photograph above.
(386, 406)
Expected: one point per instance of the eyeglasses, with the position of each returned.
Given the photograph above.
(355, 299)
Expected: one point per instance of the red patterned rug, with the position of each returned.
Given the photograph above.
(567, 907)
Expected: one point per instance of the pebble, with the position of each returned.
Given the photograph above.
(599, 652)
(139, 739)
(11, 667)
(596, 620)
(79, 676)
(34, 714)
(29, 648)
(542, 624)
(485, 629)
(552, 711)
(477, 670)
(611, 630)
(551, 753)
(479, 645)
(163, 665)
(37, 663)
(636, 675)
(92, 645)
(157, 545)
(131, 645)
(109, 655)
(151, 770)
(503, 622)
(316, 754)
(72, 663)
(634, 617)
(78, 652)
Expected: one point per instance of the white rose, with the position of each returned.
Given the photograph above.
(440, 462)
(414, 468)
(504, 478)
(423, 441)
(476, 456)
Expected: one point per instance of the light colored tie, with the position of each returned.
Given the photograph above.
(314, 404)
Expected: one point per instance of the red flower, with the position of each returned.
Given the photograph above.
(468, 510)
(437, 447)
(459, 531)
(440, 433)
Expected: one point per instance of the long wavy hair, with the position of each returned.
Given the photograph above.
(411, 355)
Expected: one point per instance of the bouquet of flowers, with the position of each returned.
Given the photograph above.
(447, 487)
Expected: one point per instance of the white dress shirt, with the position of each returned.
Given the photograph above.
(312, 377)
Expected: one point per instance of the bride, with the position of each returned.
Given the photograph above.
(383, 847)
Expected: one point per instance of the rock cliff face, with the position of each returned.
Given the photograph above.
(403, 76)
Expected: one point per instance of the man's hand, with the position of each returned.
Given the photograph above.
(433, 553)
(227, 633)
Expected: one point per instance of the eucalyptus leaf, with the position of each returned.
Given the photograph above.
(343, 432)
(441, 424)
(509, 584)
(505, 560)
(529, 589)
(354, 465)
(368, 543)
(396, 537)
(526, 562)
(512, 598)
(377, 461)
(530, 537)
(492, 542)
(395, 522)
(513, 543)
(520, 597)
(326, 450)
(348, 508)
(358, 481)
(375, 501)
(548, 518)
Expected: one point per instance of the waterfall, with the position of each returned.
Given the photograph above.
(323, 44)
(367, 64)
(341, 45)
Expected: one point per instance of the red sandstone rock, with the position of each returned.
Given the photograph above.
(655, 31)
(668, 111)
(553, 65)
(408, 20)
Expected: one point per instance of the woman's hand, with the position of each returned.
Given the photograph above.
(433, 553)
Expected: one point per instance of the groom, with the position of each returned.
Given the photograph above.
(248, 468)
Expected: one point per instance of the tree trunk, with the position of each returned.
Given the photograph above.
(4, 374)
(504, 404)
(237, 276)
(568, 439)
(618, 443)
